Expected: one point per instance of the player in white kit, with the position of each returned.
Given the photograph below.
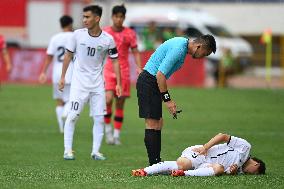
(55, 54)
(212, 158)
(90, 47)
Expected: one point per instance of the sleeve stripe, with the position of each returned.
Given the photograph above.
(229, 140)
(113, 57)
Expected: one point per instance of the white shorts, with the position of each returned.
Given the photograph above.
(196, 160)
(97, 100)
(61, 95)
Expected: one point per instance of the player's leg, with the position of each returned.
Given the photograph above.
(98, 106)
(150, 108)
(66, 96)
(206, 170)
(110, 84)
(107, 117)
(98, 133)
(152, 139)
(163, 167)
(77, 101)
(119, 109)
(154, 124)
(57, 95)
(192, 164)
(59, 113)
(118, 119)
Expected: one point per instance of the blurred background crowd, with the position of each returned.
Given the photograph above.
(249, 35)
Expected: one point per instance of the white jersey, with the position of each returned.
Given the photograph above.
(90, 55)
(56, 48)
(236, 151)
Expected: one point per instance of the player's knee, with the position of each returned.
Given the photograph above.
(184, 163)
(153, 124)
(73, 116)
(218, 169)
(109, 98)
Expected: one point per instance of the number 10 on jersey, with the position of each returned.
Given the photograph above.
(91, 51)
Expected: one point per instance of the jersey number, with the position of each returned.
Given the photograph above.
(91, 51)
(61, 51)
(74, 105)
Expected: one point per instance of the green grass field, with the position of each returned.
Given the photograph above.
(31, 146)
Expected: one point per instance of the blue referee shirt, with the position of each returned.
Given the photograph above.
(168, 57)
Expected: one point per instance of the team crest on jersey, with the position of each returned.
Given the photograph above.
(99, 48)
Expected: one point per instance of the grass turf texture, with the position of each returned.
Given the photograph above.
(31, 147)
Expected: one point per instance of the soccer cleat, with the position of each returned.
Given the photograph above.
(139, 173)
(69, 155)
(98, 156)
(116, 141)
(176, 173)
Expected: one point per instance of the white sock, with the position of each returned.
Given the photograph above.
(161, 167)
(66, 109)
(98, 132)
(68, 133)
(108, 128)
(206, 171)
(116, 133)
(59, 112)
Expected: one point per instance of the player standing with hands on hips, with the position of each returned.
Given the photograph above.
(152, 86)
(90, 46)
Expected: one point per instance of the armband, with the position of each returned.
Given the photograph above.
(166, 96)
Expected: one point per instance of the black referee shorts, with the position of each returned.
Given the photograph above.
(149, 97)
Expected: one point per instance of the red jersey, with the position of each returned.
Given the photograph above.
(124, 40)
(2, 43)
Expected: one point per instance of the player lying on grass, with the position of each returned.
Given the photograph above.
(210, 159)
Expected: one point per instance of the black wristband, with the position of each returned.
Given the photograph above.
(165, 96)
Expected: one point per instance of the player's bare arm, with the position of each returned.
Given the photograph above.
(42, 77)
(213, 141)
(137, 57)
(67, 59)
(118, 77)
(162, 83)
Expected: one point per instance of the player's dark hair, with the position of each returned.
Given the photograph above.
(119, 9)
(65, 20)
(95, 9)
(262, 168)
(208, 41)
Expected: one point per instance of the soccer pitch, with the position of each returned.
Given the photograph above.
(31, 147)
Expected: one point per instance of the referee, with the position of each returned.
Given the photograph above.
(152, 87)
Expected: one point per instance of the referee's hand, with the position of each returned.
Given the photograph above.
(172, 107)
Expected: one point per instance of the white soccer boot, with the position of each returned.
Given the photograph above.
(98, 156)
(69, 155)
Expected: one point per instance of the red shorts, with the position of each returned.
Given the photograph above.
(110, 84)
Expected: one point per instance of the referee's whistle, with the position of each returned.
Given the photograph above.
(175, 114)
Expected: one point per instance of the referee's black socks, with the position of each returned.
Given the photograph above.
(152, 142)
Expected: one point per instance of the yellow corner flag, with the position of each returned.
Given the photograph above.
(266, 39)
